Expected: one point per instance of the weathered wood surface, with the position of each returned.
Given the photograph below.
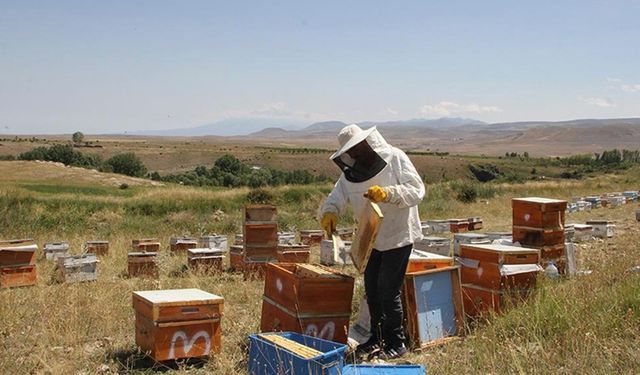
(365, 237)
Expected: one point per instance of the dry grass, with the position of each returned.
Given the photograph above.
(583, 325)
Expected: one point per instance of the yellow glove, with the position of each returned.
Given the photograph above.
(328, 223)
(377, 194)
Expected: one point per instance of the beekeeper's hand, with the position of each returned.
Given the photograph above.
(328, 223)
(377, 194)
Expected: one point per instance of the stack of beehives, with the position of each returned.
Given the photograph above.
(17, 263)
(539, 223)
(307, 299)
(260, 237)
(495, 276)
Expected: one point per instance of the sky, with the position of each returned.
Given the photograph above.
(117, 66)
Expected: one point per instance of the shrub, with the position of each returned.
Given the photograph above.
(259, 196)
(128, 164)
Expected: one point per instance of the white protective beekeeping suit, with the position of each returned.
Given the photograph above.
(401, 225)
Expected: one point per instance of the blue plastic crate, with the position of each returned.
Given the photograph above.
(384, 370)
(265, 358)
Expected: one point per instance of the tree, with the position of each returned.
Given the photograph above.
(77, 137)
(128, 164)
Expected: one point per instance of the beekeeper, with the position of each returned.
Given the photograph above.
(373, 169)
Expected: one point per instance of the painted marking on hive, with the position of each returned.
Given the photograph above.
(188, 344)
(327, 332)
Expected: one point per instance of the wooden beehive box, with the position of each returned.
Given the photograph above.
(179, 323)
(98, 247)
(439, 226)
(542, 213)
(205, 259)
(308, 299)
(423, 260)
(465, 238)
(143, 264)
(331, 255)
(214, 242)
(260, 213)
(77, 268)
(479, 300)
(16, 276)
(458, 225)
(182, 243)
(236, 257)
(311, 236)
(238, 239)
(294, 253)
(602, 228)
(368, 224)
(500, 254)
(475, 223)
(535, 237)
(286, 238)
(499, 276)
(53, 250)
(433, 305)
(145, 244)
(17, 252)
(346, 234)
(436, 245)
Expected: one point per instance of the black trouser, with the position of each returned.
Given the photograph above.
(383, 279)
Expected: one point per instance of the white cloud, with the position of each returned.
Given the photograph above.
(391, 111)
(598, 102)
(613, 80)
(631, 88)
(445, 109)
(275, 110)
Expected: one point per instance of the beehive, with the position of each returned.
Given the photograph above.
(142, 264)
(178, 323)
(458, 225)
(213, 241)
(99, 247)
(294, 253)
(602, 228)
(308, 299)
(311, 236)
(331, 256)
(436, 245)
(177, 244)
(146, 244)
(17, 263)
(53, 250)
(464, 238)
(433, 305)
(260, 238)
(422, 261)
(77, 268)
(205, 260)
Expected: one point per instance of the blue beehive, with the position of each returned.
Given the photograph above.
(384, 370)
(266, 358)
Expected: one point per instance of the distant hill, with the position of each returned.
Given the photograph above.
(226, 128)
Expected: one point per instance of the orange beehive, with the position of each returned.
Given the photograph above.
(458, 225)
(179, 323)
(500, 254)
(182, 243)
(294, 253)
(236, 257)
(16, 276)
(205, 260)
(534, 237)
(498, 268)
(308, 299)
(142, 264)
(145, 244)
(422, 261)
(17, 263)
(312, 236)
(97, 247)
(479, 300)
(541, 213)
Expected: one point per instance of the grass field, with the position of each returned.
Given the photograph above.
(588, 324)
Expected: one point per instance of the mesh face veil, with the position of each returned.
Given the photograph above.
(360, 163)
